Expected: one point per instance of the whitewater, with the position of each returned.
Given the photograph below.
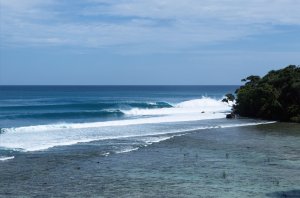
(198, 109)
(140, 123)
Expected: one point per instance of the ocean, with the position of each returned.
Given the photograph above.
(36, 118)
(139, 141)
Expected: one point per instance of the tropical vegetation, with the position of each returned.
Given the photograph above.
(276, 96)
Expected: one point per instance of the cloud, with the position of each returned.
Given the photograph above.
(252, 11)
(141, 25)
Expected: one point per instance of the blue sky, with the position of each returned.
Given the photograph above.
(146, 42)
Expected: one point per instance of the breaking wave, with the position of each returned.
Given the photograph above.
(192, 110)
(5, 158)
(141, 123)
(203, 105)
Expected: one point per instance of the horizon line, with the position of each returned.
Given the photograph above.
(123, 85)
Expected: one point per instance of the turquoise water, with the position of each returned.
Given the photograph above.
(140, 142)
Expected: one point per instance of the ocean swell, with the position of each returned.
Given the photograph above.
(92, 105)
(138, 124)
(192, 110)
(67, 115)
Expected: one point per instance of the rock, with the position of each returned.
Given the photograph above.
(230, 116)
(225, 100)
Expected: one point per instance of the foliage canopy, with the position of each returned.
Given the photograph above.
(276, 96)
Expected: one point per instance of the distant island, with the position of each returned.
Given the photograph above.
(276, 96)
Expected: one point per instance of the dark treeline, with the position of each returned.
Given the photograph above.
(276, 96)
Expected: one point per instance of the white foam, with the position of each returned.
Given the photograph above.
(199, 109)
(35, 142)
(153, 139)
(153, 120)
(106, 154)
(247, 124)
(207, 105)
(40, 137)
(4, 158)
(127, 150)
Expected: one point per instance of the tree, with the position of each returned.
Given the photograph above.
(275, 96)
(229, 97)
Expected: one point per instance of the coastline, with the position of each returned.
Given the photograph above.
(249, 161)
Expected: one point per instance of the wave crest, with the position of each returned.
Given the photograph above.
(38, 137)
(203, 105)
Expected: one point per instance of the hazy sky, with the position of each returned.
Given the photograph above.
(145, 41)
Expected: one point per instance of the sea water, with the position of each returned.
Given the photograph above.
(34, 118)
(140, 141)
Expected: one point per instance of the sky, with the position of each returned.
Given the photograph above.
(145, 42)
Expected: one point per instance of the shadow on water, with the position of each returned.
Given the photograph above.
(285, 194)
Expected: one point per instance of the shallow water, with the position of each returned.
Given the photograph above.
(250, 161)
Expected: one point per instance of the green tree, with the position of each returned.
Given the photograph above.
(275, 96)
